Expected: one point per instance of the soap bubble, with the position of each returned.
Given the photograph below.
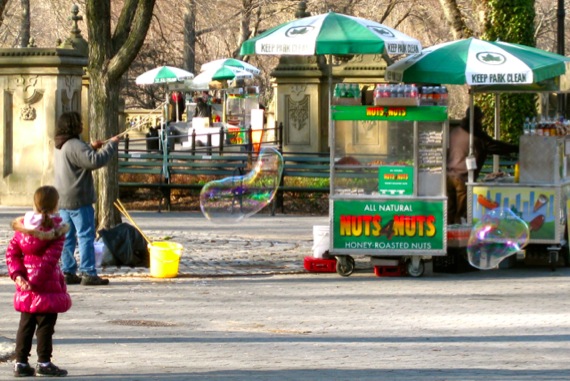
(234, 198)
(498, 235)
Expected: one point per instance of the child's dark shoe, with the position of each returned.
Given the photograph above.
(23, 370)
(50, 370)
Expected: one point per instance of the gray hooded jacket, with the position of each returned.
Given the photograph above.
(74, 162)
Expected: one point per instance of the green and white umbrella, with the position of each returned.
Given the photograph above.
(230, 63)
(225, 73)
(163, 74)
(483, 65)
(477, 62)
(331, 33)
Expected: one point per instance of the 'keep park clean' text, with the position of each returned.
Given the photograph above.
(499, 78)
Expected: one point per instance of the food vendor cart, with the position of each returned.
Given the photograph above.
(388, 184)
(497, 67)
(540, 196)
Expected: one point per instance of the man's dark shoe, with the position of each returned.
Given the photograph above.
(72, 278)
(23, 370)
(93, 280)
(50, 370)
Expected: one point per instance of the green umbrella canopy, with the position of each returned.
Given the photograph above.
(163, 74)
(331, 33)
(223, 73)
(231, 63)
(477, 62)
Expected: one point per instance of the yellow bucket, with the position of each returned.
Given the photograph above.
(164, 259)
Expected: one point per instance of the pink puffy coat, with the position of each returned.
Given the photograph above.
(34, 254)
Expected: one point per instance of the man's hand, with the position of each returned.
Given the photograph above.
(96, 144)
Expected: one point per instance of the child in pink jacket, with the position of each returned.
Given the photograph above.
(32, 258)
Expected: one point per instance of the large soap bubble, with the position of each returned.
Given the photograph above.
(234, 198)
(498, 235)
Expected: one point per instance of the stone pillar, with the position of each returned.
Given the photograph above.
(38, 85)
(298, 87)
(301, 94)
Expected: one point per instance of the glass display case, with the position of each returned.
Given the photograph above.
(239, 103)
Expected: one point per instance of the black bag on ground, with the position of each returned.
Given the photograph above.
(124, 246)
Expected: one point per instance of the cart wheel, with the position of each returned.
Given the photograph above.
(553, 259)
(345, 265)
(415, 267)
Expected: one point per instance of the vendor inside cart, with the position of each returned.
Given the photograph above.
(458, 151)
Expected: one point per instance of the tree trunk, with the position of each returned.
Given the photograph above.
(190, 36)
(104, 123)
(3, 4)
(25, 24)
(109, 57)
(455, 20)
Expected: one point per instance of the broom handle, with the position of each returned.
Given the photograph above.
(123, 211)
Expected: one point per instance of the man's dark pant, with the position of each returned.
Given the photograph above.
(456, 200)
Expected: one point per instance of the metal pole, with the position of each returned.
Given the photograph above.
(561, 50)
(471, 162)
(497, 131)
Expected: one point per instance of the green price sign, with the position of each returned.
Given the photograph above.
(396, 180)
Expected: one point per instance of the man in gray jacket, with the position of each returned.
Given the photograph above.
(74, 162)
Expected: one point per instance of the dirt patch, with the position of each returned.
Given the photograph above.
(313, 204)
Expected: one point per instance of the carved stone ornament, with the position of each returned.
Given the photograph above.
(298, 113)
(28, 83)
(298, 90)
(28, 113)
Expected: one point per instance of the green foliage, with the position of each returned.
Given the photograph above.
(510, 21)
(514, 108)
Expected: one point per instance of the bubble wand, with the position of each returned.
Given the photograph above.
(137, 125)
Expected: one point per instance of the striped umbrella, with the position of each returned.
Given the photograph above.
(230, 63)
(163, 74)
(331, 33)
(477, 62)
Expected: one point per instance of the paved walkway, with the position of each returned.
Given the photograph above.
(218, 322)
(258, 245)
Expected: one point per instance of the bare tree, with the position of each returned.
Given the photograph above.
(25, 24)
(190, 35)
(455, 19)
(110, 54)
(3, 4)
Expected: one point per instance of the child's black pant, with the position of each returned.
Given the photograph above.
(45, 328)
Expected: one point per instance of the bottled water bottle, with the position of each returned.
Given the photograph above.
(526, 126)
(377, 93)
(386, 92)
(413, 91)
(444, 96)
(533, 126)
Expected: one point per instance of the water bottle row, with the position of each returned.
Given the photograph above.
(546, 126)
(347, 90)
(428, 95)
